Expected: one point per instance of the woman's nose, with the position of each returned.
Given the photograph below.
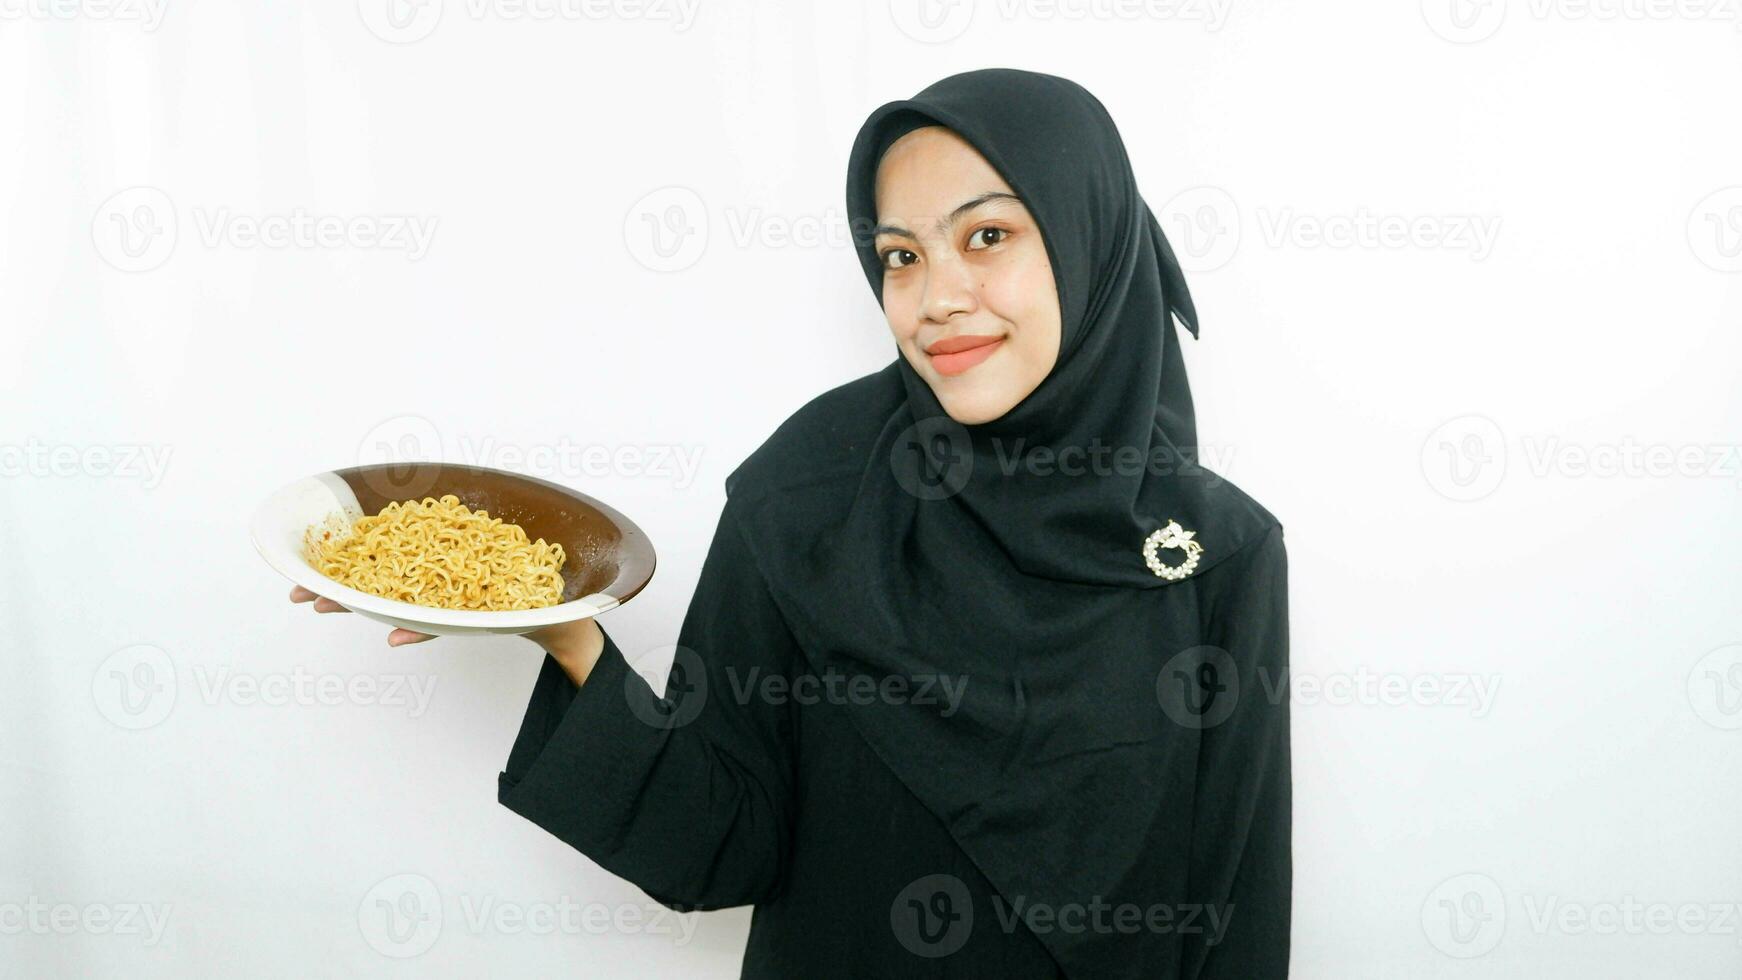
(949, 289)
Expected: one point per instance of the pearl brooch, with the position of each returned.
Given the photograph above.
(1172, 536)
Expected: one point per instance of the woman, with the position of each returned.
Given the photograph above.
(983, 677)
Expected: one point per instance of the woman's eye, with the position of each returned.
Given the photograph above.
(906, 257)
(1000, 234)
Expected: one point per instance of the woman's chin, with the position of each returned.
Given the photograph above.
(969, 405)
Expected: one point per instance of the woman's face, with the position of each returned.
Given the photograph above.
(967, 286)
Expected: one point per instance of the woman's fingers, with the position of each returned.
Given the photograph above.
(322, 603)
(397, 638)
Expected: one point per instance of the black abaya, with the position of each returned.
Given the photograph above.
(726, 799)
(1108, 792)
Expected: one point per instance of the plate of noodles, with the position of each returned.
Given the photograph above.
(452, 550)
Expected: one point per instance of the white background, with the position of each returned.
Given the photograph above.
(1464, 436)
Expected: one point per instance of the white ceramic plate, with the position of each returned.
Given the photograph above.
(609, 558)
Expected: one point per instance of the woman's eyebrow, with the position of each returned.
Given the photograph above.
(950, 218)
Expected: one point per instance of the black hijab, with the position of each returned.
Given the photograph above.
(900, 544)
(1119, 386)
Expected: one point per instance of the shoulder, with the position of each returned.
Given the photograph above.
(1250, 583)
(823, 443)
(1236, 506)
(1254, 555)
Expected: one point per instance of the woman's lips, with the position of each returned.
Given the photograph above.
(957, 354)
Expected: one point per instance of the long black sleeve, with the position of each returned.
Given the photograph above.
(1242, 857)
(690, 796)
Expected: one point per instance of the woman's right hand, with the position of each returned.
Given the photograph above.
(574, 645)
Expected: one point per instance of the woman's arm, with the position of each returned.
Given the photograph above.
(1242, 856)
(687, 796)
